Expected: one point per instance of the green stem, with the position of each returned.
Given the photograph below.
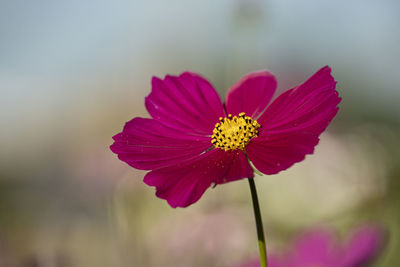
(259, 224)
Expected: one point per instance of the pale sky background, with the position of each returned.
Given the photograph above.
(57, 57)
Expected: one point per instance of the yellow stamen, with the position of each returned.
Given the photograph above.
(234, 132)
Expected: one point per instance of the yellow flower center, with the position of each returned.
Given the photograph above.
(234, 132)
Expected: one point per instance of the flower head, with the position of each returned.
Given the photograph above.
(193, 140)
(318, 248)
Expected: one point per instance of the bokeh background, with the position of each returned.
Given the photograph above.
(72, 72)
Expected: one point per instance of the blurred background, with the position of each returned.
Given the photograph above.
(73, 72)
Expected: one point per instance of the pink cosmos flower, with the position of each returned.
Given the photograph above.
(194, 141)
(318, 248)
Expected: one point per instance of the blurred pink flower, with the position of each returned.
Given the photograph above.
(318, 248)
(194, 141)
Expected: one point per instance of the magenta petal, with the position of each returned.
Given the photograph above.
(238, 166)
(363, 247)
(315, 248)
(147, 144)
(279, 152)
(187, 102)
(183, 184)
(312, 101)
(290, 126)
(251, 94)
